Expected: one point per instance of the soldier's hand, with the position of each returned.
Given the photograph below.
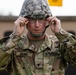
(20, 25)
(55, 24)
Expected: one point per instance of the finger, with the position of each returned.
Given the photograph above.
(49, 19)
(23, 20)
(53, 22)
(26, 22)
(22, 23)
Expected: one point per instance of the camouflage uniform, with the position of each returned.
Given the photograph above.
(18, 57)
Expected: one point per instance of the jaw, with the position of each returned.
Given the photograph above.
(35, 36)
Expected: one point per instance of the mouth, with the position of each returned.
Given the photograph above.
(37, 31)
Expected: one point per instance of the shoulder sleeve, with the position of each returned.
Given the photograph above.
(7, 45)
(68, 46)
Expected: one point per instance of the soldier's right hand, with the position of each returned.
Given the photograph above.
(20, 25)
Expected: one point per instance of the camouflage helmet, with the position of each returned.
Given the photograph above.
(35, 9)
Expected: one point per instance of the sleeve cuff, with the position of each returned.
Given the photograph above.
(63, 35)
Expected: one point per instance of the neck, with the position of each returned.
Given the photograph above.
(35, 38)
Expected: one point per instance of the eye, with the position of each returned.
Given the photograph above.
(41, 20)
(32, 20)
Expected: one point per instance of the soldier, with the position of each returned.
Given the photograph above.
(36, 52)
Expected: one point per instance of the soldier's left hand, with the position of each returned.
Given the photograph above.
(55, 24)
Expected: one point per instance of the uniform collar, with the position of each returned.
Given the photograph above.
(25, 44)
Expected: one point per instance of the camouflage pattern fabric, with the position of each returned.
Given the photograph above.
(35, 8)
(18, 57)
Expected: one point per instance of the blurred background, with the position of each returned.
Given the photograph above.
(63, 9)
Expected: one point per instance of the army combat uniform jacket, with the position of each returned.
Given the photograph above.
(18, 57)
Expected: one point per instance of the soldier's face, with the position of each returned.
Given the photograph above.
(37, 26)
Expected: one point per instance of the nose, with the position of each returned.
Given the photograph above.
(37, 23)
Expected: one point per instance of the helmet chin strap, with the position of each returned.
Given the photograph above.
(38, 35)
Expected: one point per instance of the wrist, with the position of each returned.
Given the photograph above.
(60, 31)
(57, 31)
(14, 35)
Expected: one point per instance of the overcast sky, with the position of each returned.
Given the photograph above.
(14, 6)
